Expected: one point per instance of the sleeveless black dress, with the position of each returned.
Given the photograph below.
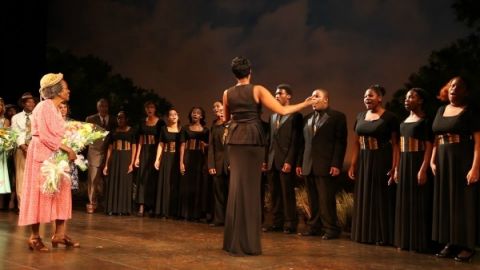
(246, 141)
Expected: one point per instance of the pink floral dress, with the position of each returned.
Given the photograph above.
(47, 132)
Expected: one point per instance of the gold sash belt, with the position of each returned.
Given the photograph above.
(452, 138)
(169, 147)
(149, 139)
(367, 142)
(411, 144)
(121, 145)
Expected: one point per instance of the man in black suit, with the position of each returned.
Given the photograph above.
(97, 153)
(320, 161)
(282, 153)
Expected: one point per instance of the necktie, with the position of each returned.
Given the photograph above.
(277, 122)
(28, 128)
(104, 123)
(314, 122)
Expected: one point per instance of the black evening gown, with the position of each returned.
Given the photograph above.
(192, 182)
(413, 213)
(455, 204)
(147, 175)
(246, 152)
(119, 181)
(374, 200)
(166, 200)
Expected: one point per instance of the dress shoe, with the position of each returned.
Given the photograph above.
(272, 229)
(446, 252)
(289, 230)
(465, 255)
(65, 240)
(309, 233)
(329, 237)
(36, 244)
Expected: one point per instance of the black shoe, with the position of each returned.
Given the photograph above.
(329, 237)
(289, 231)
(272, 229)
(446, 252)
(215, 224)
(309, 233)
(465, 255)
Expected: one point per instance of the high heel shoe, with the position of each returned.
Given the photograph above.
(465, 255)
(37, 244)
(66, 241)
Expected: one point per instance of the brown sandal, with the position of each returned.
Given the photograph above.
(37, 244)
(66, 241)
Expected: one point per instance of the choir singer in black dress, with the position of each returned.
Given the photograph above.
(456, 164)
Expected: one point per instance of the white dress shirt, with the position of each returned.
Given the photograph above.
(18, 125)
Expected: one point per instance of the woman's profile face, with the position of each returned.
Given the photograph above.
(412, 101)
(218, 109)
(371, 99)
(456, 91)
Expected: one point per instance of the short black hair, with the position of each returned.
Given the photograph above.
(286, 87)
(377, 88)
(241, 67)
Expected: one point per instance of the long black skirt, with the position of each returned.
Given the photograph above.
(374, 200)
(455, 204)
(191, 186)
(119, 183)
(244, 216)
(147, 175)
(166, 200)
(413, 213)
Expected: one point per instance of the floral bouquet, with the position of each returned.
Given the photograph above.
(8, 139)
(77, 136)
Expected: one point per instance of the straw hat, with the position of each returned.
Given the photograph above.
(50, 79)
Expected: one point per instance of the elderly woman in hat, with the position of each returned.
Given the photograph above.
(47, 131)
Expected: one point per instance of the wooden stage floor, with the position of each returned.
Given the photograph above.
(128, 242)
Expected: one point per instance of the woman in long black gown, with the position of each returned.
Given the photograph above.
(118, 168)
(376, 154)
(246, 150)
(413, 217)
(148, 133)
(167, 163)
(456, 164)
(194, 140)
